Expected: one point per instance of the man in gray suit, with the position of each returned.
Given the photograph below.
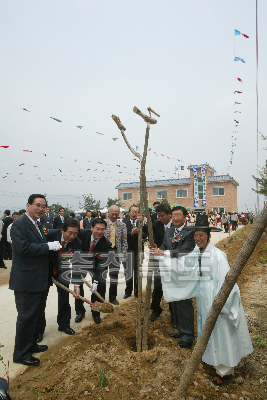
(179, 241)
(29, 279)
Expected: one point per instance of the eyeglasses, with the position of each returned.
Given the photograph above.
(37, 205)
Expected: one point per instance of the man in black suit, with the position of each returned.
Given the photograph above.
(87, 222)
(95, 243)
(132, 239)
(159, 226)
(29, 279)
(179, 241)
(7, 250)
(67, 237)
(47, 219)
(59, 219)
(154, 215)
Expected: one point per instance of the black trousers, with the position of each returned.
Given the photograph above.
(157, 291)
(99, 275)
(132, 281)
(183, 314)
(234, 223)
(1, 254)
(7, 250)
(225, 226)
(30, 307)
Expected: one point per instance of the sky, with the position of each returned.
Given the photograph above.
(80, 62)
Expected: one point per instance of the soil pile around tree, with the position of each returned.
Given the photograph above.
(108, 351)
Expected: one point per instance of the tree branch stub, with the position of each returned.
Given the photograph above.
(144, 116)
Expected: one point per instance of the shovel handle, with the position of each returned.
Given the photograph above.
(95, 291)
(72, 292)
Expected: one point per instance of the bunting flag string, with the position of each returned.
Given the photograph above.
(236, 103)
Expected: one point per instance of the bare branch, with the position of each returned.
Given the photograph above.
(144, 116)
(154, 112)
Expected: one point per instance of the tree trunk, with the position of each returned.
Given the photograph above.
(219, 301)
(140, 275)
(151, 242)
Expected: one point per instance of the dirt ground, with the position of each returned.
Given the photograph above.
(107, 351)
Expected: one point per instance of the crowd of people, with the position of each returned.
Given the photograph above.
(46, 249)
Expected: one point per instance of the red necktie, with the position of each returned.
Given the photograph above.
(92, 247)
(60, 251)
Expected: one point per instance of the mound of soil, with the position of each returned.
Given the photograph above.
(101, 362)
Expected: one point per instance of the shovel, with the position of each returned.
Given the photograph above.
(94, 306)
(107, 306)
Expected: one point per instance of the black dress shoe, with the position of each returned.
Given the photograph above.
(126, 296)
(185, 345)
(3, 266)
(79, 317)
(39, 338)
(97, 320)
(68, 330)
(115, 302)
(31, 361)
(38, 348)
(154, 316)
(175, 335)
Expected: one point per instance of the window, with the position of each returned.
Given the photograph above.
(218, 209)
(161, 194)
(200, 187)
(218, 191)
(147, 195)
(127, 196)
(182, 193)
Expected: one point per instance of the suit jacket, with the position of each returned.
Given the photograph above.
(120, 236)
(47, 221)
(6, 222)
(30, 265)
(185, 245)
(133, 239)
(55, 235)
(154, 217)
(86, 223)
(158, 232)
(102, 246)
(57, 224)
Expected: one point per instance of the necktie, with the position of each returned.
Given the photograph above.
(36, 226)
(60, 251)
(176, 231)
(165, 227)
(112, 234)
(134, 224)
(47, 217)
(92, 247)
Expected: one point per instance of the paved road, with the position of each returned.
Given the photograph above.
(9, 316)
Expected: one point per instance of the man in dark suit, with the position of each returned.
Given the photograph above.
(67, 237)
(7, 250)
(154, 215)
(29, 279)
(179, 241)
(87, 222)
(159, 226)
(47, 219)
(59, 219)
(94, 242)
(132, 239)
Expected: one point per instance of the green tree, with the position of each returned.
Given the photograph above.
(262, 181)
(90, 203)
(114, 202)
(54, 209)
